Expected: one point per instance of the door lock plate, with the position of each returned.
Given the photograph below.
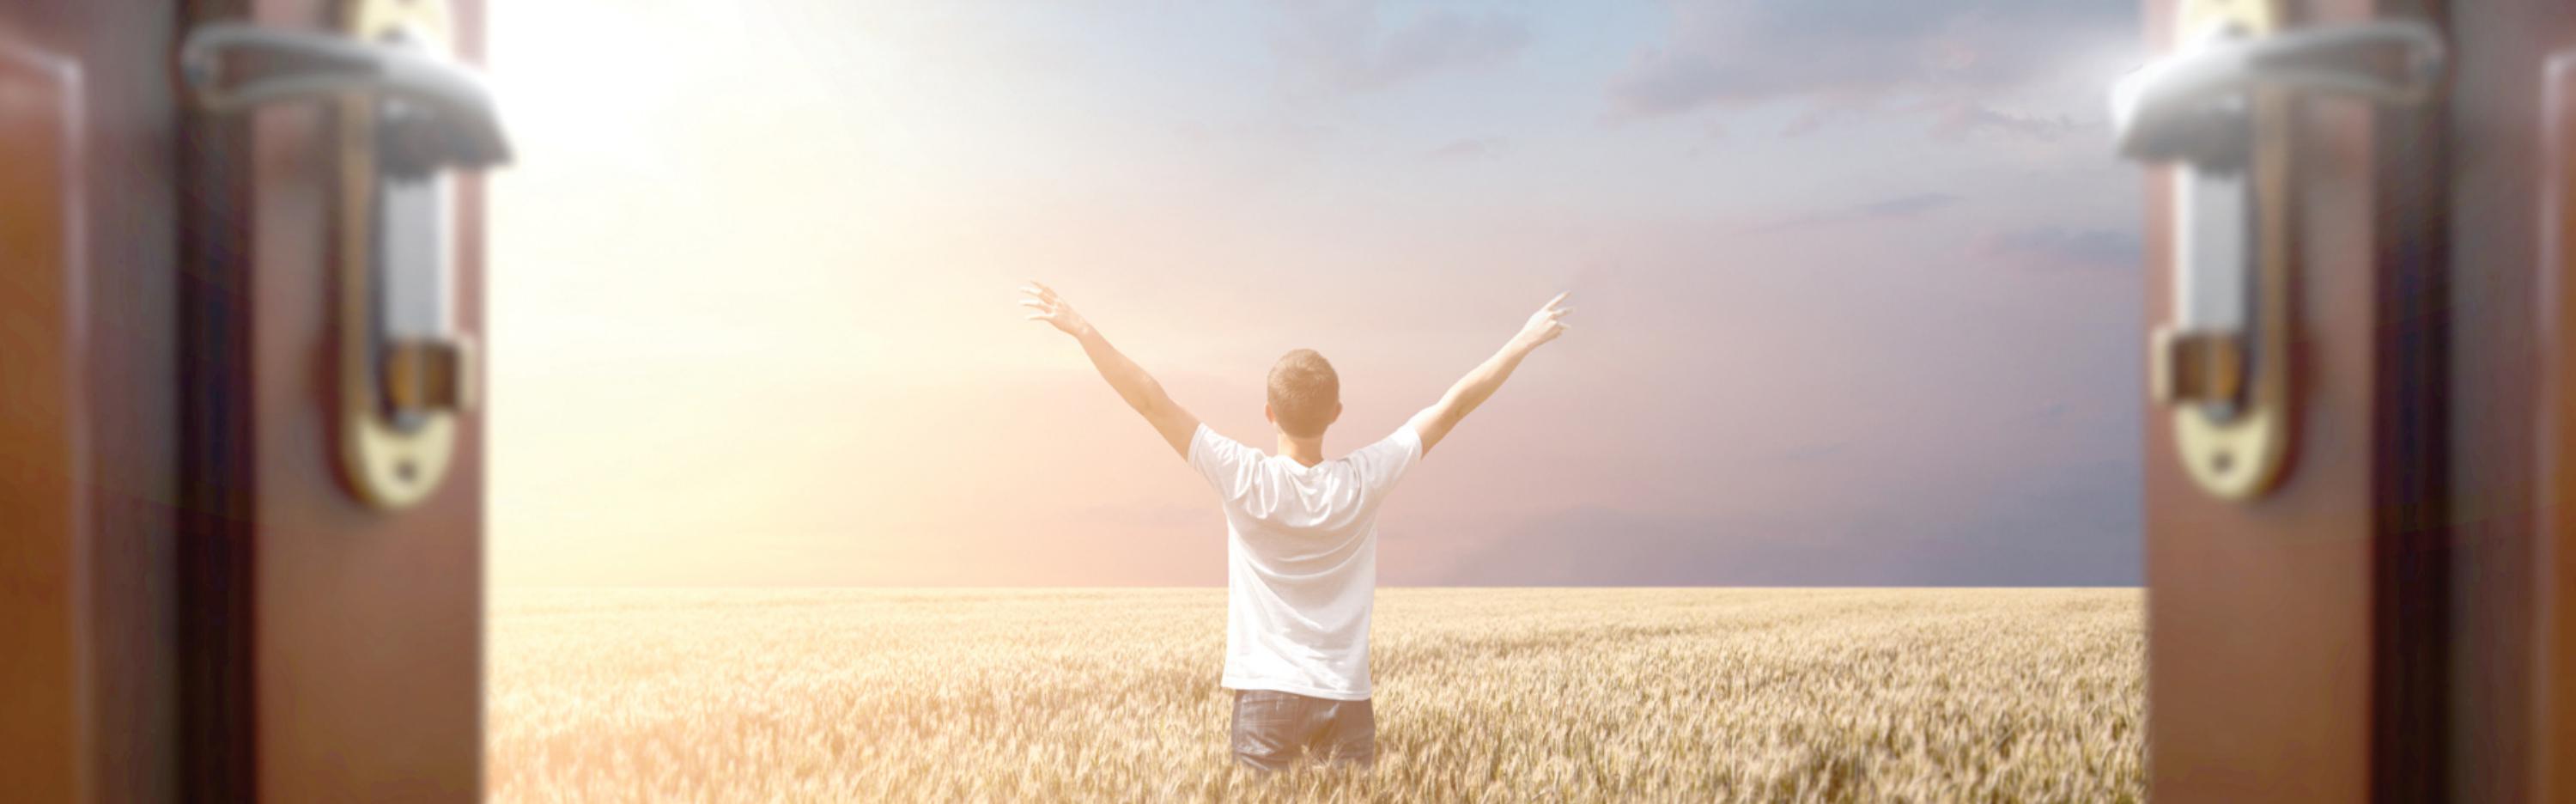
(400, 392)
(2218, 108)
(407, 114)
(2225, 361)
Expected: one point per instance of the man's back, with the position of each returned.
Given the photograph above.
(1301, 560)
(1301, 539)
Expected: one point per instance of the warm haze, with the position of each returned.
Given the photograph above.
(1866, 319)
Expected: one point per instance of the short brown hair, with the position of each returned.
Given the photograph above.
(1304, 392)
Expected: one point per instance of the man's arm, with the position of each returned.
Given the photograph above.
(1434, 422)
(1132, 383)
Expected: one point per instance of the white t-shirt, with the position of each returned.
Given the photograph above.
(1301, 561)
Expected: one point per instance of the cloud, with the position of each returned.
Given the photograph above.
(1837, 56)
(1812, 452)
(2057, 247)
(1470, 148)
(1341, 45)
(2053, 411)
(1962, 118)
(2070, 526)
(1289, 133)
(1905, 206)
(1900, 207)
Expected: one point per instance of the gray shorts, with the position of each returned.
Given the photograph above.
(1274, 730)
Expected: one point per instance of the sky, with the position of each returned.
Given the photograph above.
(1857, 285)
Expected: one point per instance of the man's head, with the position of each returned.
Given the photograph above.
(1305, 394)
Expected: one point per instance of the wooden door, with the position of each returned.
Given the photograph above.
(343, 640)
(2553, 678)
(2385, 625)
(90, 231)
(2513, 216)
(42, 504)
(195, 605)
(2293, 639)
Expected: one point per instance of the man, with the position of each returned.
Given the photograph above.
(1301, 535)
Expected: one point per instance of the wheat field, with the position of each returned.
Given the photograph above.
(1482, 695)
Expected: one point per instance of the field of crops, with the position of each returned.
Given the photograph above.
(1482, 694)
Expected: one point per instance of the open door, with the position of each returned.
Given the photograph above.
(2357, 624)
(242, 292)
(336, 630)
(2263, 604)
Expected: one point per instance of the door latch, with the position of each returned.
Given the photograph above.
(408, 117)
(2218, 110)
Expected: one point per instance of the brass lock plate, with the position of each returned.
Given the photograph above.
(2239, 450)
(399, 401)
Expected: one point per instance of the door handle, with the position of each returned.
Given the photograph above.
(409, 116)
(2217, 108)
(438, 114)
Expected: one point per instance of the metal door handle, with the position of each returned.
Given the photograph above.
(444, 117)
(2191, 106)
(409, 117)
(2217, 108)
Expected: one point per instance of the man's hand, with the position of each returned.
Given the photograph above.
(1133, 385)
(1053, 309)
(1435, 422)
(1544, 325)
